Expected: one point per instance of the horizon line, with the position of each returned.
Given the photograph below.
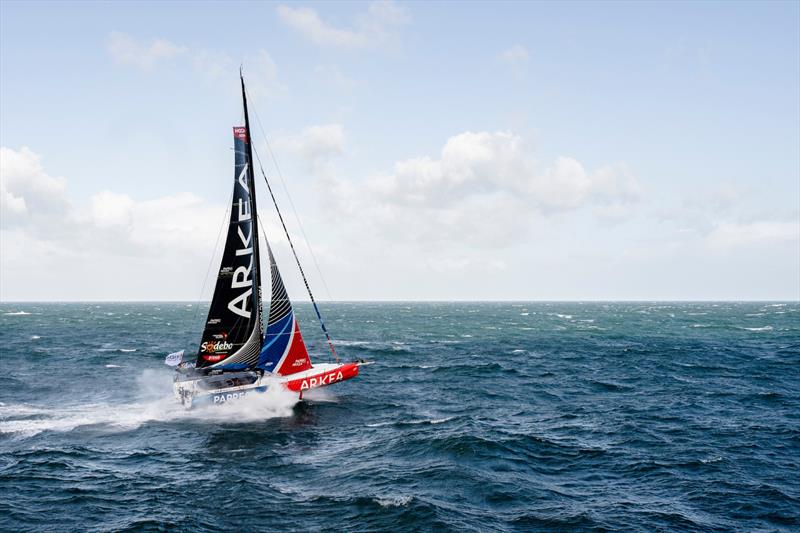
(569, 300)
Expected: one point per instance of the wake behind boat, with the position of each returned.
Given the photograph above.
(236, 356)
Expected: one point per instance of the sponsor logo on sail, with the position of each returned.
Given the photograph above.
(241, 278)
(240, 133)
(215, 346)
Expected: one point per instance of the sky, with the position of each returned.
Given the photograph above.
(419, 151)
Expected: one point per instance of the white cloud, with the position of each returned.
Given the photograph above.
(484, 189)
(127, 50)
(26, 189)
(50, 233)
(374, 27)
(517, 56)
(10, 203)
(482, 163)
(110, 209)
(733, 235)
(109, 245)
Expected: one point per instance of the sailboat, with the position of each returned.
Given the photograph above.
(237, 356)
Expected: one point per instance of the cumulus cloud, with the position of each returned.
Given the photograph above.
(47, 239)
(26, 189)
(125, 49)
(36, 203)
(376, 26)
(484, 188)
(516, 57)
(483, 163)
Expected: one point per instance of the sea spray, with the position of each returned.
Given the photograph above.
(154, 403)
(320, 395)
(255, 406)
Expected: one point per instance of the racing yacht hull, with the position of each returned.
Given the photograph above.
(196, 391)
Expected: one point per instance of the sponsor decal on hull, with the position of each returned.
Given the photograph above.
(228, 396)
(341, 373)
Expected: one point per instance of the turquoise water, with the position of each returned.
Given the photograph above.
(475, 417)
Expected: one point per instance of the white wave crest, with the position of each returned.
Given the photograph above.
(16, 313)
(765, 328)
(393, 501)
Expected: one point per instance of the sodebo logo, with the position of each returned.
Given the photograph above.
(216, 346)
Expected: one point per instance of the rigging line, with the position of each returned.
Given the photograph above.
(291, 203)
(297, 259)
(213, 255)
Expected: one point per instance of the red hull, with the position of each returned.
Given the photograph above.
(340, 373)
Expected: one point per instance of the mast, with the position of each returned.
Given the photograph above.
(252, 180)
(234, 329)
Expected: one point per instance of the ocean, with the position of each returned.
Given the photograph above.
(475, 417)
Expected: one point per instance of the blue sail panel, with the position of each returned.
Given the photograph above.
(276, 342)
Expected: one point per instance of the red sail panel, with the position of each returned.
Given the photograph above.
(295, 359)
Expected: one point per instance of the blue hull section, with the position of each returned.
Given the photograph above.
(223, 397)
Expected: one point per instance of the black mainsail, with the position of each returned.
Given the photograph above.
(233, 333)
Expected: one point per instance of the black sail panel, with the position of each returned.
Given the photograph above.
(233, 330)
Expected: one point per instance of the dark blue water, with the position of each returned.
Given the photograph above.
(476, 417)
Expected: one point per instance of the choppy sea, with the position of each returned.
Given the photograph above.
(475, 417)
